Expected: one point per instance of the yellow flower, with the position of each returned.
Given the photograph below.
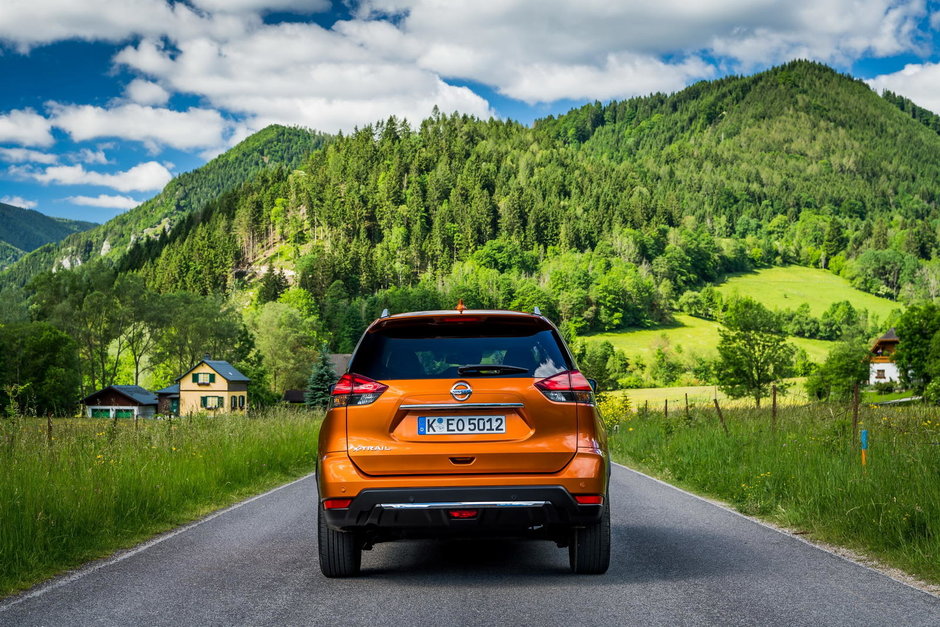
(99, 457)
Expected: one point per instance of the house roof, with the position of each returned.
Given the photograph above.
(170, 389)
(890, 335)
(223, 368)
(134, 392)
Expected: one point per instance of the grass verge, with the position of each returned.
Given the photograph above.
(100, 486)
(806, 473)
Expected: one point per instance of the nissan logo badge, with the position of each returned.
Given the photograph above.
(461, 391)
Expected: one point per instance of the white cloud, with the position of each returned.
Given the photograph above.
(146, 93)
(86, 155)
(522, 47)
(25, 127)
(31, 22)
(24, 155)
(18, 201)
(104, 200)
(918, 81)
(143, 177)
(252, 6)
(300, 74)
(193, 128)
(620, 75)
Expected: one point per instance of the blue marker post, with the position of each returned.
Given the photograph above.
(864, 437)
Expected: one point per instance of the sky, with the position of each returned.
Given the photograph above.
(102, 102)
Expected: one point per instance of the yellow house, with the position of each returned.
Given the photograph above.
(213, 386)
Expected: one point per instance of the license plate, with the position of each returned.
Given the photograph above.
(450, 425)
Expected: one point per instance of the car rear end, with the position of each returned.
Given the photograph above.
(461, 423)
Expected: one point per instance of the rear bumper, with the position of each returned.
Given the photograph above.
(498, 508)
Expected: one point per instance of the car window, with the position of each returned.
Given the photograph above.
(435, 352)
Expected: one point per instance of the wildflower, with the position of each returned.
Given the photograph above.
(99, 457)
(630, 429)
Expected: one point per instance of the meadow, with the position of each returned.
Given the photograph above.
(99, 485)
(777, 288)
(806, 473)
(695, 335)
(788, 287)
(701, 396)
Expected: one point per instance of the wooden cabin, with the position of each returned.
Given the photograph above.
(120, 401)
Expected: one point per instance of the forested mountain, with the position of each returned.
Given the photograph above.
(273, 147)
(23, 230)
(611, 216)
(798, 164)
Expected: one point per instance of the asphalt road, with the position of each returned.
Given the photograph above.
(677, 560)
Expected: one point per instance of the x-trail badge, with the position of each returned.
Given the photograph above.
(461, 391)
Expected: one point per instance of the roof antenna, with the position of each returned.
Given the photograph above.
(384, 313)
(460, 306)
(537, 311)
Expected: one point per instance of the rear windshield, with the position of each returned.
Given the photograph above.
(438, 351)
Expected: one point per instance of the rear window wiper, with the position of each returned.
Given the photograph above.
(491, 369)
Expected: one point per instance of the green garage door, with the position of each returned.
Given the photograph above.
(100, 413)
(123, 413)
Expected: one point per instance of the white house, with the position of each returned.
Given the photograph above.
(882, 368)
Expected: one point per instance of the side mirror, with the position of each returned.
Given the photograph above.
(593, 383)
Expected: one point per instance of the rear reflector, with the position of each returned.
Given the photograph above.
(589, 499)
(336, 503)
(355, 389)
(569, 386)
(463, 513)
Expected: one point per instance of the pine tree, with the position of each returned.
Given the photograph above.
(321, 378)
(272, 286)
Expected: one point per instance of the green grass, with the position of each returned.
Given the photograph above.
(806, 474)
(871, 396)
(702, 395)
(696, 336)
(788, 287)
(101, 486)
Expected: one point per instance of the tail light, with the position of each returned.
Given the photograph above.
(567, 387)
(337, 503)
(589, 499)
(355, 389)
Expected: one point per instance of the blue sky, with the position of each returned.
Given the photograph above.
(105, 101)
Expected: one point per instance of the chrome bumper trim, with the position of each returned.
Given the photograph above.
(453, 406)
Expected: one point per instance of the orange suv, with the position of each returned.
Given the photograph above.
(462, 423)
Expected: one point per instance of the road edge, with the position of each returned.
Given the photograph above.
(82, 571)
(847, 555)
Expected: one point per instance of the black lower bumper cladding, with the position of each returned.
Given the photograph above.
(498, 508)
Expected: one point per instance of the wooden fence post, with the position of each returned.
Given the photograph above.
(666, 408)
(773, 407)
(855, 403)
(646, 406)
(687, 405)
(49, 429)
(721, 417)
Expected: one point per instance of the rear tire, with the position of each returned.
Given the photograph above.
(340, 552)
(589, 551)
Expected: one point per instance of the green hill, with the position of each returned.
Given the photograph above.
(23, 230)
(696, 337)
(274, 147)
(790, 286)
